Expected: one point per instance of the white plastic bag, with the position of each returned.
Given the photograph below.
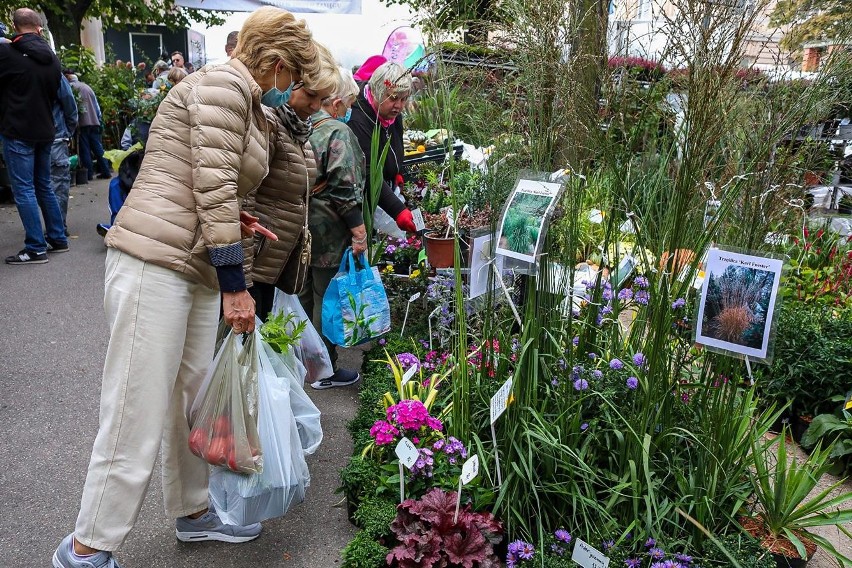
(311, 350)
(305, 412)
(246, 499)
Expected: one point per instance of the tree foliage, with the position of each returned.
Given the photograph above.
(64, 17)
(476, 17)
(812, 20)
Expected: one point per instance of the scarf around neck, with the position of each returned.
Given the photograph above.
(299, 129)
(385, 122)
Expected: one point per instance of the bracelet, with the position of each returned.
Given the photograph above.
(359, 241)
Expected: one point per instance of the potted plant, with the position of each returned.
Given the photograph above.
(403, 254)
(440, 234)
(785, 507)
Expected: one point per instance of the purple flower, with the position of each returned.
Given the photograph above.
(632, 383)
(633, 562)
(616, 364)
(383, 341)
(593, 356)
(650, 543)
(597, 374)
(607, 309)
(563, 536)
(584, 426)
(581, 384)
(519, 550)
(408, 360)
(683, 558)
(657, 553)
(576, 340)
(679, 303)
(554, 383)
(562, 364)
(557, 550)
(390, 249)
(625, 294)
(641, 281)
(639, 360)
(642, 297)
(607, 545)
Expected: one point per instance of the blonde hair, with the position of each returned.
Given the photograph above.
(270, 35)
(176, 74)
(390, 79)
(326, 75)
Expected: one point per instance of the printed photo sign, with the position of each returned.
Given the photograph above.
(738, 303)
(524, 221)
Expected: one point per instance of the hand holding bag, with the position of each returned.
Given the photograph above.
(355, 307)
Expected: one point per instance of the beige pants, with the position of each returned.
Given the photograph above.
(162, 336)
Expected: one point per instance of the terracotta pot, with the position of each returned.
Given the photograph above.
(812, 178)
(439, 251)
(782, 550)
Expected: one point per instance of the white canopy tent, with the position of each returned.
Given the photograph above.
(302, 6)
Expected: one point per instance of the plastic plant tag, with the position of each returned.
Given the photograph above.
(419, 223)
(407, 453)
(500, 400)
(451, 216)
(470, 469)
(588, 556)
(414, 297)
(408, 374)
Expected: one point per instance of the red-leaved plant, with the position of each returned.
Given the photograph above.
(428, 537)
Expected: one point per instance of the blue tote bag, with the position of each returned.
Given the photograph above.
(355, 307)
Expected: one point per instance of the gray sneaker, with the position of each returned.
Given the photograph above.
(64, 557)
(209, 527)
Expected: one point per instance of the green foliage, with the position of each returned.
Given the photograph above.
(374, 516)
(811, 361)
(783, 492)
(811, 20)
(281, 331)
(834, 430)
(745, 550)
(359, 477)
(364, 552)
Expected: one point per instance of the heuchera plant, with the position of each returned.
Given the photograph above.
(428, 536)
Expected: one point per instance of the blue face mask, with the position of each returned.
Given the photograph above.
(345, 118)
(275, 97)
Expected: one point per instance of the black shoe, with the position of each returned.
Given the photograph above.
(340, 378)
(53, 246)
(102, 229)
(104, 176)
(27, 257)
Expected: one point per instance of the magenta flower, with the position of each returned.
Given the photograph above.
(383, 433)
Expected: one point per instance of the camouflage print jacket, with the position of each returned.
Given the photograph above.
(335, 204)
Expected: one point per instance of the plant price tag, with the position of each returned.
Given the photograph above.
(470, 469)
(419, 223)
(407, 453)
(588, 556)
(451, 216)
(414, 297)
(408, 374)
(500, 400)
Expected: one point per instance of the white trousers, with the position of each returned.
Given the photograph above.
(162, 338)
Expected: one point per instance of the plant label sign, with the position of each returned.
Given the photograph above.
(738, 303)
(407, 453)
(470, 469)
(419, 223)
(414, 297)
(409, 373)
(588, 556)
(526, 217)
(500, 401)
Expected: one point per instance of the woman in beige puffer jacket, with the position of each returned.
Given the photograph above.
(281, 201)
(174, 245)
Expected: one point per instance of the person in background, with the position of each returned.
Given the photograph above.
(174, 247)
(231, 42)
(178, 60)
(335, 217)
(280, 201)
(65, 121)
(363, 74)
(161, 75)
(380, 106)
(3, 32)
(89, 128)
(176, 75)
(29, 84)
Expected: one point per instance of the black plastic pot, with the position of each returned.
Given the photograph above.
(786, 562)
(81, 177)
(4, 177)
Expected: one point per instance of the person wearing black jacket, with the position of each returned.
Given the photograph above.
(29, 86)
(380, 104)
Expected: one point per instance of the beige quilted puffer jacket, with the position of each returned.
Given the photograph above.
(280, 205)
(207, 149)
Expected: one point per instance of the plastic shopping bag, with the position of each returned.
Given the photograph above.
(245, 499)
(224, 413)
(355, 308)
(310, 350)
(305, 412)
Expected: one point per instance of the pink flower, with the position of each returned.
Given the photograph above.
(383, 433)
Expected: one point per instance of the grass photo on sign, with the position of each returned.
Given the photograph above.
(737, 302)
(523, 220)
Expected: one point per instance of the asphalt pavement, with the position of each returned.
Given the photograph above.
(53, 338)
